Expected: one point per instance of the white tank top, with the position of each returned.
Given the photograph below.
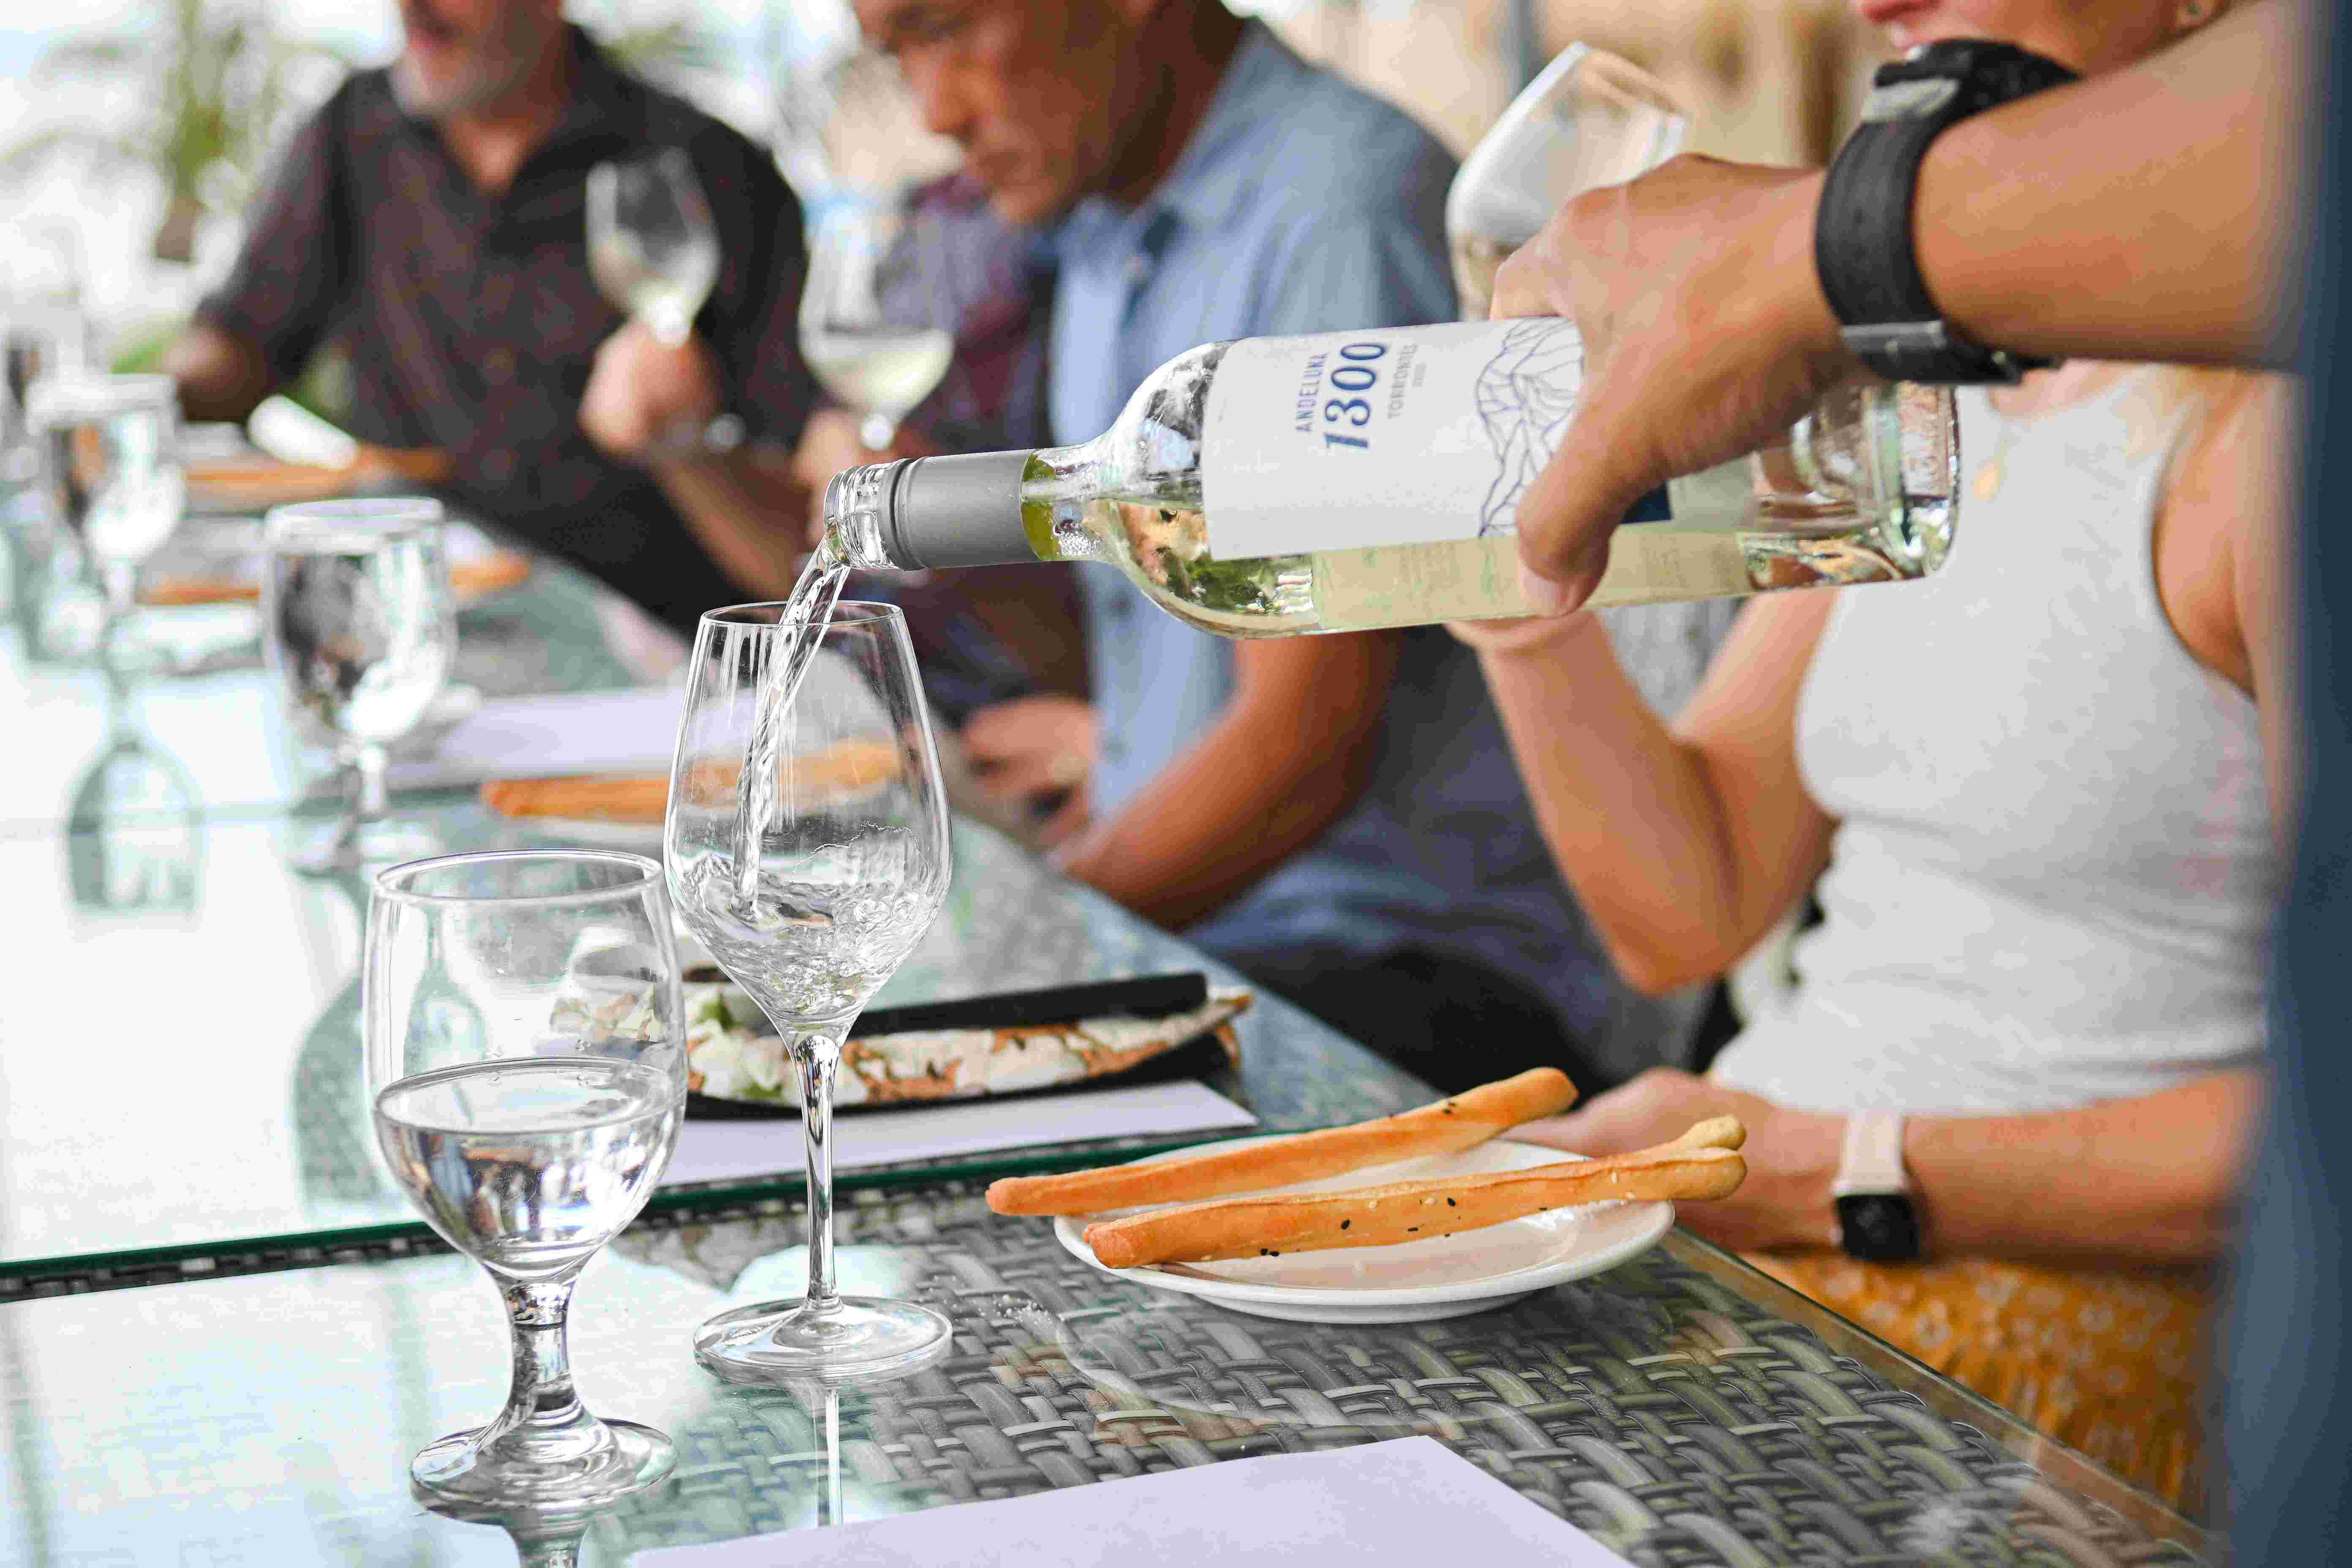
(2053, 868)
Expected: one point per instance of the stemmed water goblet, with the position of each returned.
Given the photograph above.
(653, 249)
(109, 466)
(360, 631)
(874, 315)
(844, 867)
(526, 1063)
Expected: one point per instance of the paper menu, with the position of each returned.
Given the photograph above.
(727, 1151)
(1407, 1503)
(625, 732)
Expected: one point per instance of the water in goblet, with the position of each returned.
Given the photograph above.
(526, 1054)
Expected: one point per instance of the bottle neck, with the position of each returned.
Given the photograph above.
(919, 513)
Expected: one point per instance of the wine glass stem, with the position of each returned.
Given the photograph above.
(877, 431)
(118, 580)
(118, 585)
(542, 1407)
(369, 761)
(817, 1053)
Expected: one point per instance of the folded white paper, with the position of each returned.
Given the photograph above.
(731, 1150)
(532, 737)
(1408, 1503)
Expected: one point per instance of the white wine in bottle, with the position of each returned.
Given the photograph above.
(1270, 487)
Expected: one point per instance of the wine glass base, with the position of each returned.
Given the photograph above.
(455, 1470)
(776, 1344)
(383, 843)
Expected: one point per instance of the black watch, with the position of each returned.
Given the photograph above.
(1861, 236)
(1876, 1221)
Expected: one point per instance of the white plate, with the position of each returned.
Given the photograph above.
(1445, 1276)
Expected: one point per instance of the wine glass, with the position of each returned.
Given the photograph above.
(873, 313)
(360, 631)
(526, 1061)
(850, 868)
(1589, 120)
(109, 464)
(652, 247)
(39, 338)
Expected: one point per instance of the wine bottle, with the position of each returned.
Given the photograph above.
(1268, 487)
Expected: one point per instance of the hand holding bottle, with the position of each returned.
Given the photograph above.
(1706, 337)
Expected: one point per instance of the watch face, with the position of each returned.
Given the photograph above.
(1879, 1227)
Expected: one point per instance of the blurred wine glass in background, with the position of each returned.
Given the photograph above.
(875, 318)
(1591, 119)
(652, 247)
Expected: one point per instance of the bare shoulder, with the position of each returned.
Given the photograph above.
(2221, 531)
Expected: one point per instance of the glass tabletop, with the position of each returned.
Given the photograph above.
(180, 1062)
(1683, 1408)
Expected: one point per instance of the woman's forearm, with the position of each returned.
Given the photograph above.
(1286, 758)
(1683, 849)
(2155, 1178)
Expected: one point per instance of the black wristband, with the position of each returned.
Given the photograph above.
(1863, 248)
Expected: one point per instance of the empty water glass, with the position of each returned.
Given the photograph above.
(110, 468)
(360, 631)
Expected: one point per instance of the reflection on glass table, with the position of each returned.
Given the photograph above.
(134, 841)
(174, 1087)
(1683, 1408)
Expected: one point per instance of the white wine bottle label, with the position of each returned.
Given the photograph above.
(1383, 437)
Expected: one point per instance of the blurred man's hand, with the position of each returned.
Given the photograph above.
(647, 400)
(1037, 753)
(1706, 336)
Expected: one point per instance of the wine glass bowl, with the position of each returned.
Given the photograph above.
(359, 631)
(526, 1063)
(810, 906)
(653, 249)
(1590, 119)
(875, 313)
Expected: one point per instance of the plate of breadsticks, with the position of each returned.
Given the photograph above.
(1429, 1214)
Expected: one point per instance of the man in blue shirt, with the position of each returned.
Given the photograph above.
(1339, 816)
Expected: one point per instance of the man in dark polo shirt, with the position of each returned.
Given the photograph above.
(432, 218)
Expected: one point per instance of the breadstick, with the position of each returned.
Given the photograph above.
(846, 768)
(622, 799)
(1714, 1132)
(1406, 1210)
(1447, 1127)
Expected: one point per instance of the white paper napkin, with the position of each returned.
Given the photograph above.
(532, 737)
(1408, 1503)
(728, 1151)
